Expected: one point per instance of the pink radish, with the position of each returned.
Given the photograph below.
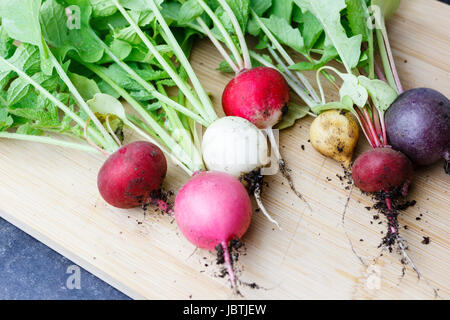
(132, 175)
(212, 209)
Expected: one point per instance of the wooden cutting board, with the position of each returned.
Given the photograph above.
(51, 194)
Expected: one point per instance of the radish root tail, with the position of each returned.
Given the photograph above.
(229, 265)
(285, 172)
(283, 167)
(401, 243)
(257, 195)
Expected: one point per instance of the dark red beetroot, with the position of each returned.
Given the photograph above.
(418, 124)
(382, 169)
(259, 95)
(132, 174)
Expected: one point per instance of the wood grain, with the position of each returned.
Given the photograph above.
(51, 194)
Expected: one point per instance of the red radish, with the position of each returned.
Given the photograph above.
(260, 95)
(132, 175)
(382, 169)
(212, 209)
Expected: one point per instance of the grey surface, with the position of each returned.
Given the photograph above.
(31, 270)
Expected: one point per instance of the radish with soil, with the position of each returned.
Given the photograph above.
(381, 171)
(133, 175)
(212, 209)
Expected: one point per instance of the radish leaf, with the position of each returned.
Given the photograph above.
(328, 13)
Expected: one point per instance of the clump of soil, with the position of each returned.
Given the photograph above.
(253, 181)
(398, 203)
(162, 200)
(346, 179)
(236, 247)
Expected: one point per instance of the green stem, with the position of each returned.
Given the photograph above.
(371, 57)
(385, 60)
(182, 136)
(239, 33)
(48, 140)
(391, 58)
(228, 40)
(218, 45)
(204, 98)
(147, 86)
(111, 145)
(182, 85)
(95, 134)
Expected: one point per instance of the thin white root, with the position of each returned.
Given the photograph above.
(283, 168)
(402, 246)
(257, 195)
(405, 256)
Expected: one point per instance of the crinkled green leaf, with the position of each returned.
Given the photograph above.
(282, 9)
(328, 12)
(241, 9)
(102, 8)
(26, 57)
(87, 88)
(189, 11)
(29, 130)
(6, 120)
(19, 88)
(260, 6)
(6, 44)
(331, 106)
(54, 23)
(381, 93)
(283, 31)
(352, 88)
(357, 18)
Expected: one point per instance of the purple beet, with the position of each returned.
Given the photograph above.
(418, 124)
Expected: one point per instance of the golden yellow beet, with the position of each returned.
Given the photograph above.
(335, 134)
